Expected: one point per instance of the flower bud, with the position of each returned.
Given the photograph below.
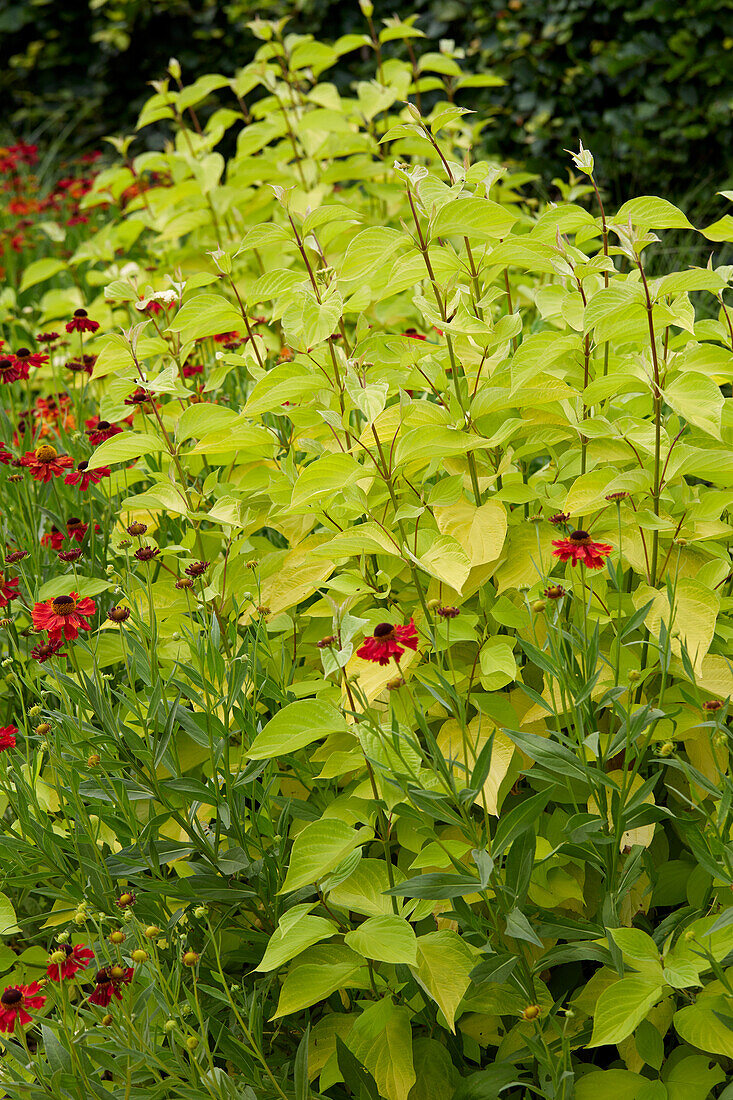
(117, 937)
(139, 956)
(634, 675)
(539, 606)
(108, 1019)
(531, 1012)
(190, 958)
(152, 931)
(93, 760)
(191, 1043)
(34, 711)
(169, 1026)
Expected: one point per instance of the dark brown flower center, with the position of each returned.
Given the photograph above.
(102, 976)
(46, 453)
(579, 537)
(103, 425)
(22, 353)
(80, 313)
(64, 605)
(73, 521)
(11, 997)
(82, 466)
(383, 630)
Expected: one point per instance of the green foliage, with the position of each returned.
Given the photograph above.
(400, 765)
(647, 83)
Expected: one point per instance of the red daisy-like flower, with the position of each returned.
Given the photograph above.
(5, 456)
(579, 547)
(15, 1002)
(99, 430)
(7, 737)
(8, 589)
(84, 478)
(388, 641)
(47, 337)
(192, 369)
(44, 650)
(66, 961)
(64, 616)
(76, 529)
(28, 358)
(81, 322)
(225, 337)
(11, 370)
(45, 462)
(107, 984)
(53, 538)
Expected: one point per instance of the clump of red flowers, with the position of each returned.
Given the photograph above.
(15, 1002)
(64, 616)
(388, 642)
(579, 547)
(66, 961)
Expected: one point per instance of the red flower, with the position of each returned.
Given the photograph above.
(107, 984)
(83, 479)
(388, 641)
(74, 959)
(45, 462)
(8, 589)
(75, 529)
(53, 538)
(44, 650)
(7, 737)
(99, 430)
(193, 369)
(64, 616)
(412, 334)
(579, 547)
(47, 337)
(15, 1001)
(11, 370)
(5, 456)
(27, 358)
(225, 337)
(81, 322)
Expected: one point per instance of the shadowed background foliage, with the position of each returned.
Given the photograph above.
(648, 85)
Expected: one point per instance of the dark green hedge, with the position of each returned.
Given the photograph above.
(647, 84)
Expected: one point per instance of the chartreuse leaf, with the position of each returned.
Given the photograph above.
(652, 212)
(621, 1007)
(389, 939)
(381, 1039)
(701, 1025)
(125, 447)
(8, 923)
(206, 315)
(297, 930)
(324, 477)
(294, 727)
(635, 944)
(319, 848)
(318, 973)
(39, 271)
(473, 217)
(609, 1084)
(692, 1077)
(444, 963)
